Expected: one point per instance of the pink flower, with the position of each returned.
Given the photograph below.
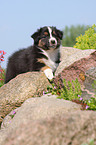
(43, 92)
(2, 59)
(79, 96)
(1, 56)
(4, 52)
(86, 107)
(81, 99)
(1, 70)
(14, 112)
(54, 87)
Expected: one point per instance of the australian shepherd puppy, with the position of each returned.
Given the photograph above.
(44, 55)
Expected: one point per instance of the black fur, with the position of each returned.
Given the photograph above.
(26, 60)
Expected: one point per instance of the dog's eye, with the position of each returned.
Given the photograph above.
(46, 33)
(54, 33)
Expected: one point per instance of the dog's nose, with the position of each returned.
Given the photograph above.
(52, 41)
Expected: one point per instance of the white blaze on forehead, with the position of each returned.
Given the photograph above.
(51, 37)
(50, 31)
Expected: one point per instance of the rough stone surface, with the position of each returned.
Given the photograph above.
(70, 55)
(89, 81)
(48, 120)
(77, 70)
(39, 108)
(72, 128)
(24, 86)
(68, 51)
(89, 89)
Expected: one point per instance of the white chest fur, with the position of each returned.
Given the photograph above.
(52, 56)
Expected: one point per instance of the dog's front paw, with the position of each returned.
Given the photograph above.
(49, 74)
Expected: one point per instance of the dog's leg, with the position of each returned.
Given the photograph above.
(48, 72)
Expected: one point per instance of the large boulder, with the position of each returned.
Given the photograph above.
(19, 89)
(72, 69)
(39, 108)
(70, 55)
(89, 89)
(89, 82)
(33, 109)
(48, 120)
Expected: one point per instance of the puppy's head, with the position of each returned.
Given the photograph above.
(48, 38)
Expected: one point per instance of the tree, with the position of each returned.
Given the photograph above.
(70, 34)
(88, 40)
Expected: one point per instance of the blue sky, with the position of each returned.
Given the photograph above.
(21, 18)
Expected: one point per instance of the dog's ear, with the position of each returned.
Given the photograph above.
(60, 34)
(36, 34)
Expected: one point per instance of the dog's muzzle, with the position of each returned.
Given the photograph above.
(52, 42)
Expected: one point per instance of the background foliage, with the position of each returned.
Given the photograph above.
(88, 40)
(79, 36)
(70, 34)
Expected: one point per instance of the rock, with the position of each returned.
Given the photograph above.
(90, 78)
(68, 51)
(89, 89)
(70, 55)
(39, 108)
(48, 120)
(19, 89)
(76, 70)
(70, 128)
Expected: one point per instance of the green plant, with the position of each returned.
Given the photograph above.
(91, 142)
(12, 115)
(91, 103)
(2, 77)
(70, 34)
(94, 86)
(2, 71)
(72, 91)
(88, 40)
